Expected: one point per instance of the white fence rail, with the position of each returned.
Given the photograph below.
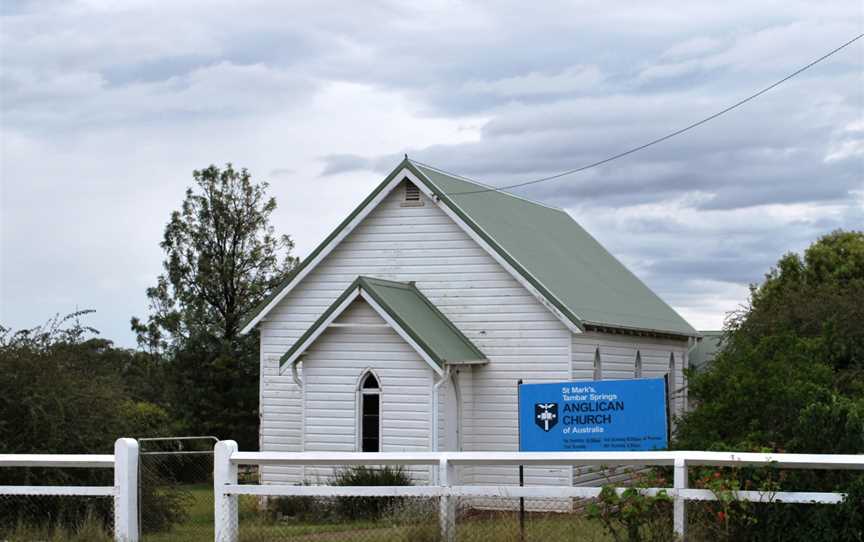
(227, 458)
(124, 491)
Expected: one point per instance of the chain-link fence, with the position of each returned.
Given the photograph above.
(386, 496)
(176, 489)
(57, 502)
(413, 519)
(417, 519)
(30, 518)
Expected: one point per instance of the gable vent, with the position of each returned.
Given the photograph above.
(412, 195)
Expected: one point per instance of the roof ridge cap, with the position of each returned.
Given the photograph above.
(489, 186)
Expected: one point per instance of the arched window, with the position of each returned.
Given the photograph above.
(637, 370)
(370, 414)
(598, 365)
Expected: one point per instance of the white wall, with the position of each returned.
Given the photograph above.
(618, 360)
(333, 367)
(521, 338)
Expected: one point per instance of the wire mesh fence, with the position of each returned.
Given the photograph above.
(413, 519)
(28, 518)
(417, 519)
(176, 489)
(36, 512)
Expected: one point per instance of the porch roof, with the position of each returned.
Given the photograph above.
(405, 308)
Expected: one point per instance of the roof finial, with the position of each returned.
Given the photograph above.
(406, 155)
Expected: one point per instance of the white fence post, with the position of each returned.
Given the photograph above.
(126, 488)
(224, 472)
(680, 504)
(447, 513)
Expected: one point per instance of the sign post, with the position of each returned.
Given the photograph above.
(668, 405)
(521, 470)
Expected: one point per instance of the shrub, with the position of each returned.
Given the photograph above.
(369, 507)
(727, 518)
(324, 509)
(302, 509)
(730, 519)
(166, 503)
(634, 516)
(847, 521)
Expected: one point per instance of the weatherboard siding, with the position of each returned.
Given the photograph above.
(465, 381)
(333, 367)
(520, 337)
(618, 362)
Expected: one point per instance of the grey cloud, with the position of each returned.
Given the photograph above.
(76, 100)
(696, 46)
(110, 108)
(573, 80)
(341, 163)
(154, 70)
(773, 151)
(734, 268)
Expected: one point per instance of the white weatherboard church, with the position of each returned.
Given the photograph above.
(409, 326)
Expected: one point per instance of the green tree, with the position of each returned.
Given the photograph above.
(222, 260)
(65, 390)
(790, 376)
(793, 356)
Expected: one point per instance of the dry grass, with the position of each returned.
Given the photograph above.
(89, 530)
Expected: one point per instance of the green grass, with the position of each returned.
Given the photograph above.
(199, 523)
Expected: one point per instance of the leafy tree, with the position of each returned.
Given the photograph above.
(789, 376)
(222, 260)
(65, 390)
(792, 361)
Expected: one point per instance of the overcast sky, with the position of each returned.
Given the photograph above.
(107, 107)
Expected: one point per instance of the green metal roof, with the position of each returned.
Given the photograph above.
(558, 257)
(546, 247)
(414, 314)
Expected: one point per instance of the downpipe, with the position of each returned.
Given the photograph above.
(435, 407)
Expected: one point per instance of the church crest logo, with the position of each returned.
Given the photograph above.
(546, 415)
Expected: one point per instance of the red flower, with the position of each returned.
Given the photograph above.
(721, 516)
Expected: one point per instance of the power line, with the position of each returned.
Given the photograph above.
(665, 137)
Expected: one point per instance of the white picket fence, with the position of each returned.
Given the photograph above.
(227, 458)
(124, 491)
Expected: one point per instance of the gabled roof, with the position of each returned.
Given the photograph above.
(406, 309)
(544, 245)
(560, 258)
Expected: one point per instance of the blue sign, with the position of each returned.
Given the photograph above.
(604, 415)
